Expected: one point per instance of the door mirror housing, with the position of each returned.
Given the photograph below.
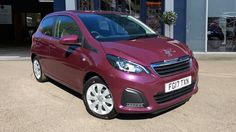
(70, 39)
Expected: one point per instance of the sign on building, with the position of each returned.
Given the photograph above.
(5, 14)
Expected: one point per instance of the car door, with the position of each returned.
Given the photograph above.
(42, 39)
(68, 60)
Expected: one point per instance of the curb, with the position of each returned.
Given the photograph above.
(207, 56)
(14, 58)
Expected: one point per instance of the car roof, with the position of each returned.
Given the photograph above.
(76, 12)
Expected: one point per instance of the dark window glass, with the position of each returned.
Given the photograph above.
(67, 26)
(112, 27)
(46, 27)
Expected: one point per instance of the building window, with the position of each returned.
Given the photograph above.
(46, 27)
(221, 26)
(67, 26)
(154, 12)
(131, 7)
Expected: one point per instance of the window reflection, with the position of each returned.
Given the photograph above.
(131, 7)
(222, 33)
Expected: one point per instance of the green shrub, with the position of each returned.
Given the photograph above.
(169, 17)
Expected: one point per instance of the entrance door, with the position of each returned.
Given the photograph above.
(32, 22)
(25, 24)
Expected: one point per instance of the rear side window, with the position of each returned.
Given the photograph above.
(67, 26)
(46, 27)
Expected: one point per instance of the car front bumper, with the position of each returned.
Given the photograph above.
(147, 85)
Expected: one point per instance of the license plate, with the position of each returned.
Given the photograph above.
(178, 84)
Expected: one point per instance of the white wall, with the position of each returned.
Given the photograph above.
(169, 6)
(196, 25)
(70, 4)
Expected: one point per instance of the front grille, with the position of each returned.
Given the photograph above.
(174, 66)
(164, 97)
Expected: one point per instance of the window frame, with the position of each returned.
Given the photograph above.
(146, 29)
(53, 25)
(56, 28)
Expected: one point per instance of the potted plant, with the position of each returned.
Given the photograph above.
(169, 18)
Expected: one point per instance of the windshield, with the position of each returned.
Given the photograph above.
(114, 27)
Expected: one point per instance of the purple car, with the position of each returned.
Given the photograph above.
(115, 61)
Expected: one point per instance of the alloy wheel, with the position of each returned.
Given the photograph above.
(99, 99)
(37, 69)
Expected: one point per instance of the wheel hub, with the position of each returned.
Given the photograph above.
(99, 99)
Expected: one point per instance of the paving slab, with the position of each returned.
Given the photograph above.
(29, 106)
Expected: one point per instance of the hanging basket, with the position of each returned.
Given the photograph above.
(169, 17)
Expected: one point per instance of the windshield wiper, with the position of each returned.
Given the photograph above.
(143, 36)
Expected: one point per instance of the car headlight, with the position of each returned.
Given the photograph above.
(125, 65)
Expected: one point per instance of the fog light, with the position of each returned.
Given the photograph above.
(133, 98)
(137, 105)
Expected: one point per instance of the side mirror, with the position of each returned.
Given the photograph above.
(70, 39)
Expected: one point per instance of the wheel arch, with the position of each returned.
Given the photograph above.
(32, 56)
(91, 74)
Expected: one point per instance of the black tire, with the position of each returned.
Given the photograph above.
(42, 77)
(92, 81)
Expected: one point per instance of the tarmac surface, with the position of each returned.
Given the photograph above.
(28, 106)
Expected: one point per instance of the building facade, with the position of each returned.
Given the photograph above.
(19, 19)
(205, 25)
(211, 25)
(148, 11)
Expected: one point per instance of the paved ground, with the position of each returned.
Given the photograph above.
(27, 106)
(22, 52)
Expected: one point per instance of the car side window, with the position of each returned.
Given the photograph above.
(67, 26)
(46, 27)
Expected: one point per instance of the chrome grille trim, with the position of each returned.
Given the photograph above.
(173, 66)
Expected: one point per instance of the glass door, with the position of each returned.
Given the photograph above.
(32, 21)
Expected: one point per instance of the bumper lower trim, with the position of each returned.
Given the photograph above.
(160, 111)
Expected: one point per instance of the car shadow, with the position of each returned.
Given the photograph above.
(121, 116)
(147, 116)
(65, 88)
